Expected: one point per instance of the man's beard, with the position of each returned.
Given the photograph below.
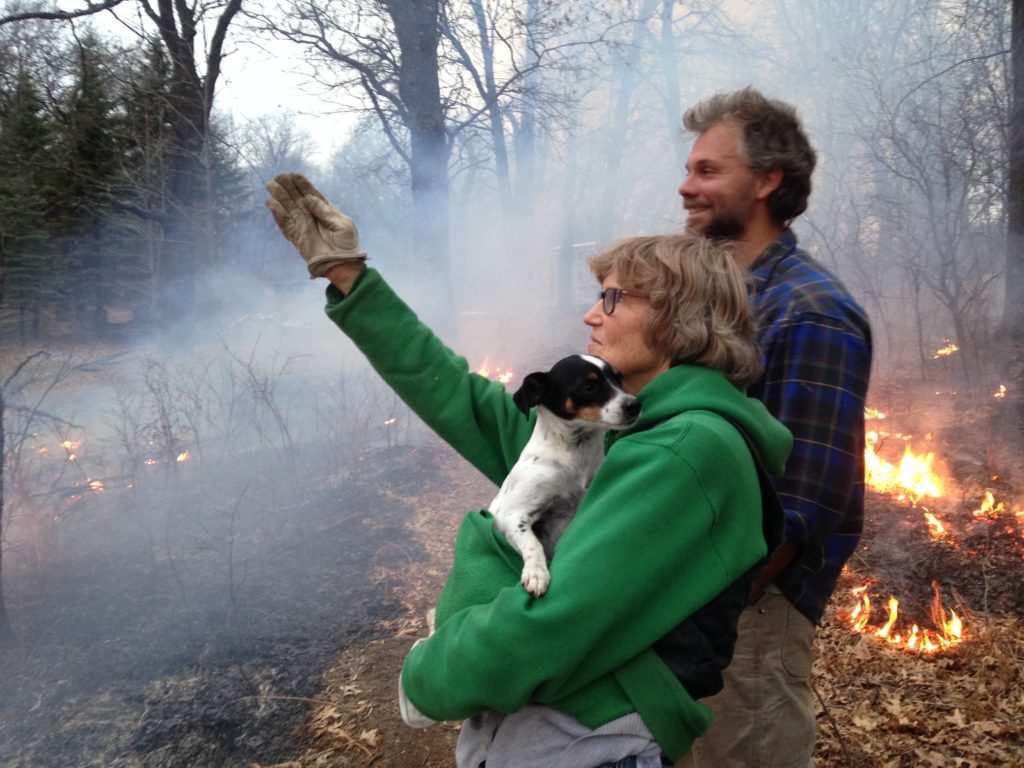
(729, 227)
(730, 221)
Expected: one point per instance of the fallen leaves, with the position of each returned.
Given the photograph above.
(891, 708)
(882, 707)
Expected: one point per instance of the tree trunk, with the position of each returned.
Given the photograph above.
(1013, 311)
(616, 132)
(524, 193)
(567, 251)
(494, 116)
(418, 32)
(6, 634)
(188, 245)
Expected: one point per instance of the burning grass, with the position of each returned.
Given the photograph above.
(886, 708)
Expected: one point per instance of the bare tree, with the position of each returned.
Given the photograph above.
(928, 164)
(508, 63)
(388, 51)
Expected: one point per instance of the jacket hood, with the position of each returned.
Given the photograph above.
(692, 388)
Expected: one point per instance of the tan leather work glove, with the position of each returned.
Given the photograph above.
(323, 235)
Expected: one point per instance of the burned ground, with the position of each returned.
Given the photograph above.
(878, 706)
(147, 660)
(129, 657)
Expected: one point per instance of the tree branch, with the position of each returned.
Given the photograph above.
(89, 10)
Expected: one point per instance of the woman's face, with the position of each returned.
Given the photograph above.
(619, 338)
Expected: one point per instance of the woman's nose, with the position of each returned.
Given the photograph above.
(594, 315)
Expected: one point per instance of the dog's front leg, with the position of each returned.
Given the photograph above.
(524, 496)
(535, 577)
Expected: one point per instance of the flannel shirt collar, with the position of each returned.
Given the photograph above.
(764, 265)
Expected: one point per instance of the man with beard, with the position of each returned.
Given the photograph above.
(748, 177)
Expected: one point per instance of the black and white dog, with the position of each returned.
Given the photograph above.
(577, 401)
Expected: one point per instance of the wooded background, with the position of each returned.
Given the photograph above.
(554, 123)
(485, 147)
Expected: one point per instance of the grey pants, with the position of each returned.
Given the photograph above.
(540, 736)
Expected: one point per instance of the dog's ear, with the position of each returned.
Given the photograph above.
(531, 392)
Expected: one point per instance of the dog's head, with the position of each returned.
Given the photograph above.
(583, 389)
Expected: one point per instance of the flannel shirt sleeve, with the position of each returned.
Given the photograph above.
(816, 384)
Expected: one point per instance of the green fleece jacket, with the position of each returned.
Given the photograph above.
(671, 519)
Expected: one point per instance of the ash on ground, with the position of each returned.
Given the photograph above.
(201, 643)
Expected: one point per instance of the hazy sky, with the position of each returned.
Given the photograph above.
(263, 79)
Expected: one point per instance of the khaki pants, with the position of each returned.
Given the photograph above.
(764, 717)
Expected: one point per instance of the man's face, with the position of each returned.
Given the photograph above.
(720, 190)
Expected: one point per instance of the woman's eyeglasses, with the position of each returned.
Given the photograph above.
(611, 296)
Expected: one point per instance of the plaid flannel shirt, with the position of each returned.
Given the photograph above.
(816, 342)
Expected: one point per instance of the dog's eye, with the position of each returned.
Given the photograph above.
(589, 387)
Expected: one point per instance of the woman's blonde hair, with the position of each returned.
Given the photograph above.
(698, 298)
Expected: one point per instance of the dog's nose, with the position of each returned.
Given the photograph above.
(632, 408)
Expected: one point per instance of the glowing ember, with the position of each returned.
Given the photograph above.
(913, 478)
(96, 485)
(1001, 393)
(151, 462)
(872, 413)
(937, 528)
(988, 507)
(946, 351)
(501, 375)
(389, 422)
(183, 456)
(948, 632)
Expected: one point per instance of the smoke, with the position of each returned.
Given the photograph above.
(179, 575)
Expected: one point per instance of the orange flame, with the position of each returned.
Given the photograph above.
(988, 507)
(183, 456)
(912, 478)
(935, 525)
(949, 632)
(70, 446)
(946, 351)
(501, 375)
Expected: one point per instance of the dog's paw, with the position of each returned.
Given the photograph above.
(536, 579)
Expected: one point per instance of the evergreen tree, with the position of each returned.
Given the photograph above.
(90, 144)
(27, 197)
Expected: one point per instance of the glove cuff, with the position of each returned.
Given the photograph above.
(321, 265)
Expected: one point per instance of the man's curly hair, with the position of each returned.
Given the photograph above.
(772, 137)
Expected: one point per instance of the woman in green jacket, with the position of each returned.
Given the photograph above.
(649, 578)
